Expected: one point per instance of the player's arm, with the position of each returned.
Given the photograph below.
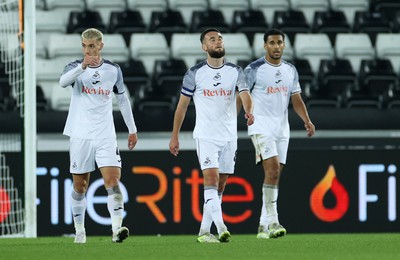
(179, 116)
(70, 73)
(247, 102)
(238, 103)
(126, 110)
(301, 110)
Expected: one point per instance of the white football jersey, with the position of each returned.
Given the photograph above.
(271, 87)
(90, 113)
(214, 94)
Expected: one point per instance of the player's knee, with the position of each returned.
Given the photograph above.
(211, 180)
(111, 182)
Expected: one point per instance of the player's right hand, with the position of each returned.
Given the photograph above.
(90, 61)
(174, 146)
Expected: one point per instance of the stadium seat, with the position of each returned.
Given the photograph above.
(41, 101)
(371, 23)
(66, 6)
(58, 23)
(314, 48)
(306, 76)
(259, 50)
(202, 20)
(336, 79)
(149, 47)
(48, 72)
(269, 7)
(126, 23)
(354, 47)
(377, 77)
(146, 7)
(249, 22)
(330, 22)
(186, 8)
(309, 7)
(227, 7)
(167, 22)
(64, 46)
(60, 98)
(105, 7)
(388, 8)
(187, 46)
(291, 22)
(350, 7)
(155, 115)
(41, 48)
(168, 76)
(237, 47)
(81, 20)
(115, 48)
(387, 47)
(135, 77)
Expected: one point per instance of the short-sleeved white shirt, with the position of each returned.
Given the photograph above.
(90, 112)
(271, 87)
(214, 94)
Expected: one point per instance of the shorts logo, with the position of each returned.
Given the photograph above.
(267, 150)
(207, 162)
(74, 166)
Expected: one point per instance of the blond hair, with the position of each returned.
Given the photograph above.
(92, 33)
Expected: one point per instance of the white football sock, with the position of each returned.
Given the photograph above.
(269, 212)
(206, 221)
(115, 205)
(213, 207)
(78, 206)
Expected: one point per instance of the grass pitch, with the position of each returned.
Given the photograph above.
(293, 246)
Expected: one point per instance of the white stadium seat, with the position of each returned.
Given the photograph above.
(269, 7)
(115, 48)
(237, 47)
(149, 47)
(314, 48)
(354, 47)
(350, 7)
(187, 46)
(146, 7)
(309, 7)
(65, 46)
(186, 7)
(387, 47)
(227, 7)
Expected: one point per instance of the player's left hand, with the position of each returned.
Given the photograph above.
(310, 128)
(132, 140)
(250, 118)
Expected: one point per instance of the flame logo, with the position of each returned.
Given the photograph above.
(329, 182)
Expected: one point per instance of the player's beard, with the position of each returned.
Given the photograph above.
(275, 56)
(217, 54)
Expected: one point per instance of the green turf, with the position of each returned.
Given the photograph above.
(293, 246)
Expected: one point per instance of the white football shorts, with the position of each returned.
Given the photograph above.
(265, 148)
(84, 153)
(217, 154)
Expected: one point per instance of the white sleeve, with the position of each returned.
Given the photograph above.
(126, 110)
(70, 73)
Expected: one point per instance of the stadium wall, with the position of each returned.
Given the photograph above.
(330, 184)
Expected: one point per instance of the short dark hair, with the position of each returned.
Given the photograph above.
(207, 31)
(273, 32)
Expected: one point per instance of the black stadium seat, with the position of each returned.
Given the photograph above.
(167, 22)
(330, 22)
(249, 22)
(291, 22)
(126, 23)
(202, 20)
(82, 20)
(371, 23)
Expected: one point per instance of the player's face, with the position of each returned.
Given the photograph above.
(91, 47)
(274, 47)
(213, 44)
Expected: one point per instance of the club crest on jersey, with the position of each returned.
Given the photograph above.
(96, 75)
(207, 162)
(217, 77)
(278, 74)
